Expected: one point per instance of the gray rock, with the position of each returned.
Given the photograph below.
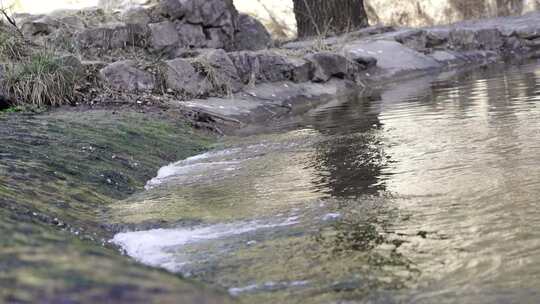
(190, 35)
(125, 76)
(528, 32)
(463, 39)
(182, 77)
(414, 39)
(215, 13)
(163, 36)
(42, 26)
(301, 70)
(135, 15)
(251, 34)
(224, 75)
(445, 57)
(248, 66)
(210, 14)
(474, 39)
(437, 37)
(217, 38)
(327, 65)
(392, 57)
(489, 39)
(112, 36)
(72, 23)
(362, 59)
(174, 9)
(73, 63)
(267, 66)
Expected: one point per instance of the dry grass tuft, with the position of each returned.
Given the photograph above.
(40, 80)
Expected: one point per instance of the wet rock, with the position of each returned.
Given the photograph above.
(112, 36)
(135, 15)
(251, 34)
(163, 36)
(224, 75)
(182, 77)
(125, 76)
(327, 65)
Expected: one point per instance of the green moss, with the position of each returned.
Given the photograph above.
(60, 171)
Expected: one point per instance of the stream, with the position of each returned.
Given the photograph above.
(423, 194)
(421, 191)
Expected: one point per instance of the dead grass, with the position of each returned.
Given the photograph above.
(212, 75)
(40, 80)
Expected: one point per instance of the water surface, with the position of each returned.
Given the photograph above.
(425, 192)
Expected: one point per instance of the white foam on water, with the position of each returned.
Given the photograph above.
(331, 216)
(156, 247)
(236, 291)
(192, 164)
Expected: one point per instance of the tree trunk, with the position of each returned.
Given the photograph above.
(324, 17)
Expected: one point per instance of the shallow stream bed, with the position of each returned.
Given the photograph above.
(425, 192)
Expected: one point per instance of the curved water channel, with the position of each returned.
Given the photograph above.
(425, 192)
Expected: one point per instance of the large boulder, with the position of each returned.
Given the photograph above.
(125, 76)
(327, 65)
(251, 34)
(181, 76)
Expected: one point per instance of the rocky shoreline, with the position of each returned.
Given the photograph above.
(224, 71)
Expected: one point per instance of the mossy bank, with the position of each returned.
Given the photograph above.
(59, 172)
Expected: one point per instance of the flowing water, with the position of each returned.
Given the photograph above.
(424, 192)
